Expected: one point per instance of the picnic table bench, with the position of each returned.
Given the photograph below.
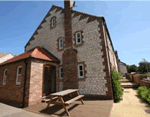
(60, 100)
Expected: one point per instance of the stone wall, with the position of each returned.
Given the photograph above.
(90, 52)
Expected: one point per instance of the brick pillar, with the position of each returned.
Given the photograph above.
(70, 69)
(69, 57)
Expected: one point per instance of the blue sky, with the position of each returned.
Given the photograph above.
(128, 24)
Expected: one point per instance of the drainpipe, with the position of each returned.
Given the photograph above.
(24, 86)
(109, 63)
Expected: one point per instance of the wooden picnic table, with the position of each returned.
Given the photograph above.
(60, 100)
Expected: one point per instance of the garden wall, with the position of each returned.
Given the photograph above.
(140, 79)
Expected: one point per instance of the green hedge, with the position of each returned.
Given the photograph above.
(117, 88)
(144, 93)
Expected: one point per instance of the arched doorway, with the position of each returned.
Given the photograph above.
(49, 79)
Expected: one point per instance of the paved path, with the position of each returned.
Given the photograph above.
(10, 111)
(130, 106)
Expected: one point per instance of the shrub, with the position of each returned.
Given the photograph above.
(144, 93)
(148, 74)
(141, 89)
(128, 77)
(117, 88)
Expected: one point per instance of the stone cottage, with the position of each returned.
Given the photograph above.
(68, 50)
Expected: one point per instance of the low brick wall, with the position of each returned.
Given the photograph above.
(145, 82)
(140, 79)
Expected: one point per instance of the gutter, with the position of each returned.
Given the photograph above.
(24, 86)
(109, 62)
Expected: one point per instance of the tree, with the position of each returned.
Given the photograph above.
(144, 67)
(132, 68)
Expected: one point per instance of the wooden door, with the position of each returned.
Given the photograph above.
(49, 80)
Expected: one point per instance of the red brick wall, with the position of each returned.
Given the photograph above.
(145, 83)
(11, 92)
(136, 78)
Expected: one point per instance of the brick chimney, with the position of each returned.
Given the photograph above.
(68, 5)
(69, 57)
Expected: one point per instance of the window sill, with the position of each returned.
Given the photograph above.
(82, 78)
(61, 79)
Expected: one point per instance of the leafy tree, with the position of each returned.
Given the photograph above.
(144, 67)
(132, 68)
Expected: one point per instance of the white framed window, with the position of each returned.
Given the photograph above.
(61, 43)
(78, 38)
(80, 71)
(18, 78)
(60, 73)
(4, 77)
(53, 22)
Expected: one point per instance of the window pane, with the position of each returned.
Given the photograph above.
(79, 40)
(19, 78)
(78, 35)
(81, 73)
(61, 75)
(19, 71)
(5, 72)
(80, 67)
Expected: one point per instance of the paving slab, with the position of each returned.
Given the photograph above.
(131, 106)
(10, 111)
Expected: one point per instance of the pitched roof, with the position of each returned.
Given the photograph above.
(2, 54)
(76, 13)
(37, 52)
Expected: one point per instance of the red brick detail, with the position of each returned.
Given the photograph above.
(68, 25)
(48, 14)
(106, 62)
(74, 38)
(83, 16)
(91, 19)
(58, 9)
(70, 77)
(76, 14)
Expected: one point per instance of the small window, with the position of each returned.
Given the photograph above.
(80, 71)
(53, 22)
(78, 38)
(61, 73)
(4, 77)
(18, 79)
(60, 43)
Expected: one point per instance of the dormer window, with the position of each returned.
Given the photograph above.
(61, 43)
(78, 38)
(53, 22)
